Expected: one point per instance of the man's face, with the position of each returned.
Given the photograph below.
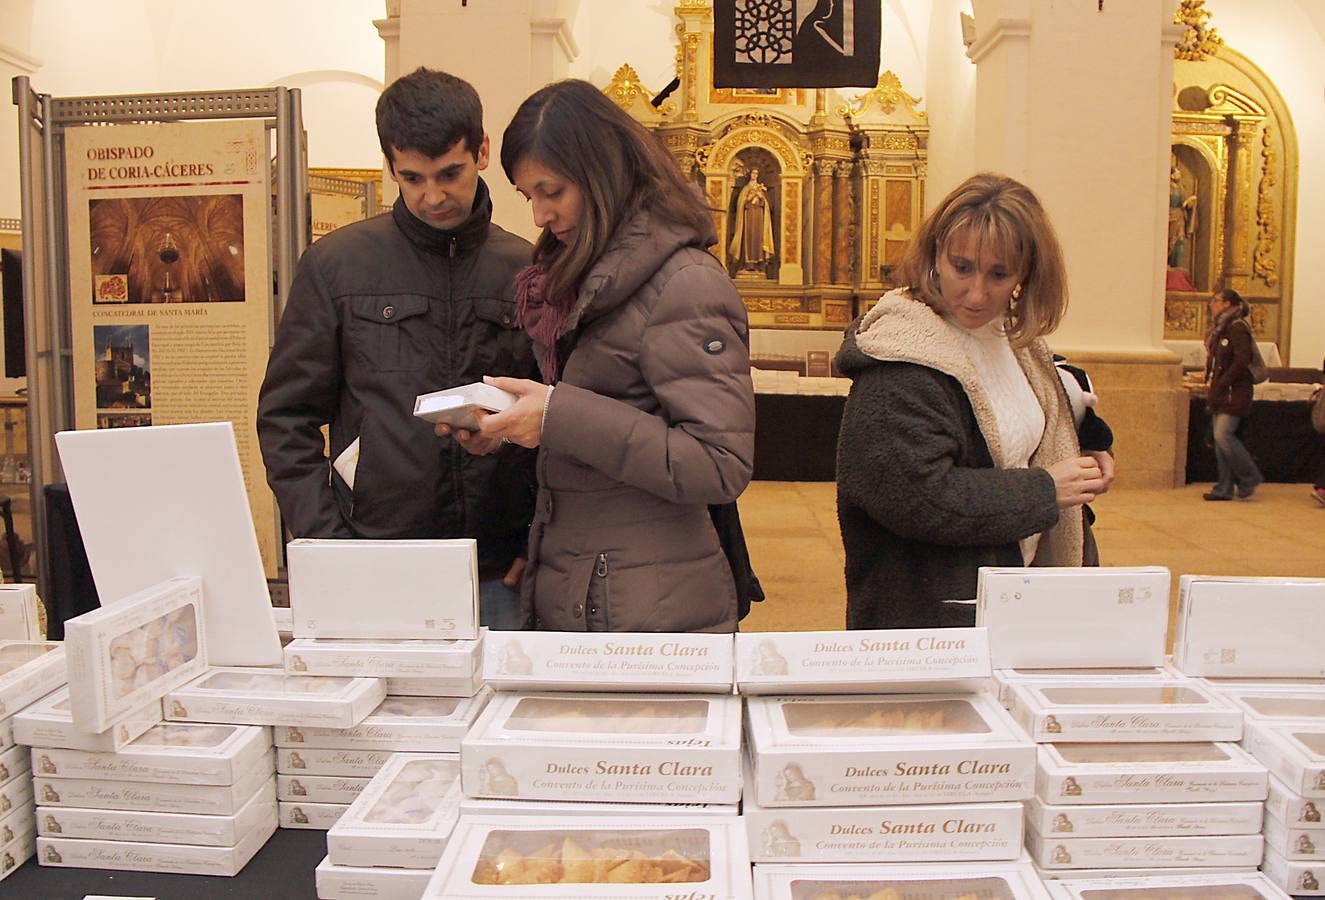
(439, 190)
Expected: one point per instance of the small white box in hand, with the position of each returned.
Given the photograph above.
(384, 658)
(376, 882)
(421, 724)
(617, 857)
(48, 723)
(1144, 819)
(457, 406)
(1076, 617)
(384, 589)
(20, 613)
(1059, 852)
(29, 670)
(1213, 639)
(1301, 879)
(611, 661)
(181, 753)
(1011, 880)
(1248, 886)
(1294, 752)
(886, 749)
(124, 656)
(645, 748)
(404, 817)
(333, 789)
(843, 662)
(310, 816)
(158, 827)
(242, 696)
(1148, 773)
(1099, 710)
(151, 796)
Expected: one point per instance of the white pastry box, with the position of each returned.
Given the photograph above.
(1213, 639)
(29, 670)
(639, 748)
(1106, 712)
(1266, 707)
(421, 724)
(1250, 886)
(385, 658)
(202, 799)
(1292, 842)
(490, 806)
(6, 733)
(310, 816)
(617, 858)
(900, 834)
(1074, 617)
(16, 793)
(1298, 878)
(460, 686)
(1070, 774)
(158, 827)
(13, 762)
(1144, 819)
(21, 615)
(1293, 752)
(49, 723)
(124, 656)
(177, 753)
(318, 761)
(1004, 679)
(244, 696)
(933, 881)
(334, 789)
(887, 749)
(403, 817)
(608, 661)
(132, 856)
(1061, 852)
(374, 882)
(18, 849)
(1291, 807)
(383, 589)
(846, 662)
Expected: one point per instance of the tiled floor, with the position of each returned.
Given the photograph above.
(792, 531)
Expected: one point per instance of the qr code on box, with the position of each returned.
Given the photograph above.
(1126, 596)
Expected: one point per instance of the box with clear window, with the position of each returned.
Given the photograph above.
(1148, 773)
(1100, 710)
(404, 816)
(247, 696)
(422, 724)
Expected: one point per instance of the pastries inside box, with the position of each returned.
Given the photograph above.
(403, 816)
(900, 881)
(1099, 710)
(1148, 773)
(248, 696)
(50, 723)
(29, 670)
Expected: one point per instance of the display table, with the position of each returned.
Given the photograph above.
(283, 868)
(1279, 438)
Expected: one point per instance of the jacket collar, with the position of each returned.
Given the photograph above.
(466, 237)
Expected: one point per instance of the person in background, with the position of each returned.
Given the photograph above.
(647, 416)
(415, 300)
(1228, 373)
(958, 446)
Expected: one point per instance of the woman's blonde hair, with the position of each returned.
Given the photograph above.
(1005, 215)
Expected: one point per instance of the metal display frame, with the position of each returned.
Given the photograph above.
(47, 301)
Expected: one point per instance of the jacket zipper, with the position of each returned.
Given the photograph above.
(457, 452)
(601, 570)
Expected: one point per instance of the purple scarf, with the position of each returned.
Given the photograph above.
(542, 321)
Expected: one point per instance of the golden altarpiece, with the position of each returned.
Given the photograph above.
(814, 196)
(1232, 187)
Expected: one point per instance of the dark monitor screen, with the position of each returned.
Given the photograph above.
(11, 283)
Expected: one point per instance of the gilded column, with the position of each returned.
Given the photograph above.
(823, 221)
(1241, 148)
(842, 223)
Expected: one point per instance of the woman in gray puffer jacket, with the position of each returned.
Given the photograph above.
(648, 413)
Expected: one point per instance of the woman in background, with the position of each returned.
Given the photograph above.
(958, 447)
(647, 416)
(1228, 348)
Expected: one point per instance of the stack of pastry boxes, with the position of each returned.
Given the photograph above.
(880, 748)
(606, 764)
(401, 616)
(29, 669)
(1137, 765)
(1257, 641)
(115, 787)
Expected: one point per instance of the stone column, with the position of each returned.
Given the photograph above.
(842, 220)
(823, 221)
(1105, 190)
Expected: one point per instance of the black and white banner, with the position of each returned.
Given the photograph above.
(796, 43)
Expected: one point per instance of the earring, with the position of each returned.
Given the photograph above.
(1016, 291)
(933, 274)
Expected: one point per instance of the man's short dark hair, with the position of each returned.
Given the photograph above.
(429, 111)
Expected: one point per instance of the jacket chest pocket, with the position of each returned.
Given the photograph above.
(389, 333)
(500, 345)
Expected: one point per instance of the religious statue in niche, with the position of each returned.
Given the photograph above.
(752, 245)
(1182, 230)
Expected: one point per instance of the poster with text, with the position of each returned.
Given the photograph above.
(171, 284)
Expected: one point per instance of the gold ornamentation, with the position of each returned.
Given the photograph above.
(1201, 39)
(837, 314)
(1182, 318)
(626, 87)
(750, 120)
(791, 221)
(1267, 232)
(691, 68)
(774, 304)
(821, 145)
(888, 93)
(874, 231)
(718, 156)
(894, 140)
(843, 169)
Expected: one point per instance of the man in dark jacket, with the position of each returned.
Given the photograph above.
(415, 300)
